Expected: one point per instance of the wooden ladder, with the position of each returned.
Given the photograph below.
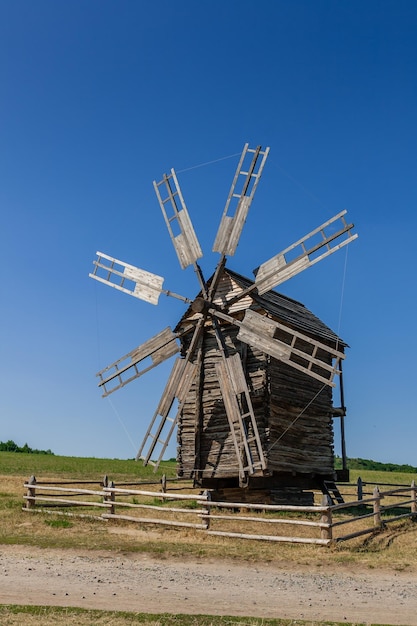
(330, 488)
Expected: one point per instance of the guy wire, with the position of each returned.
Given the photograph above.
(194, 167)
(337, 345)
(98, 334)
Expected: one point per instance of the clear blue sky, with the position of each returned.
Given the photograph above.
(99, 98)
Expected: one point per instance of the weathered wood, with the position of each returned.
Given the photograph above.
(234, 217)
(266, 520)
(326, 519)
(149, 520)
(360, 488)
(186, 243)
(218, 533)
(358, 533)
(155, 507)
(293, 438)
(413, 498)
(207, 511)
(31, 492)
(165, 496)
(178, 385)
(76, 490)
(377, 507)
(279, 269)
(65, 501)
(159, 348)
(314, 357)
(268, 507)
(127, 278)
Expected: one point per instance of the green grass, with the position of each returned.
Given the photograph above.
(14, 615)
(59, 523)
(390, 548)
(19, 464)
(375, 477)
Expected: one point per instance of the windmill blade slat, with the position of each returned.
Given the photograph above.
(231, 228)
(159, 348)
(258, 331)
(233, 414)
(127, 278)
(186, 244)
(279, 269)
(177, 383)
(177, 387)
(238, 202)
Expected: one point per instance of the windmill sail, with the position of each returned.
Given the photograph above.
(239, 200)
(185, 243)
(290, 346)
(304, 253)
(177, 387)
(127, 278)
(130, 279)
(156, 350)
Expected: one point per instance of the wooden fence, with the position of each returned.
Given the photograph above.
(323, 524)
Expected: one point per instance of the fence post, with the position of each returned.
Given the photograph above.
(164, 483)
(112, 498)
(109, 496)
(30, 502)
(377, 507)
(360, 489)
(413, 499)
(205, 512)
(326, 518)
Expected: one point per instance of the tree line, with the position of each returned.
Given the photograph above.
(368, 464)
(11, 446)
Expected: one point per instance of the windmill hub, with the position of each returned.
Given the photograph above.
(199, 305)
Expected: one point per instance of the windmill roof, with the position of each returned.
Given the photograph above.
(284, 309)
(289, 311)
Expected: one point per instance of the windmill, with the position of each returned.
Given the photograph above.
(249, 357)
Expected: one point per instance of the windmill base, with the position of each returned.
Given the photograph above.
(274, 489)
(291, 495)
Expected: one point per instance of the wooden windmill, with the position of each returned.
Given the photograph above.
(251, 390)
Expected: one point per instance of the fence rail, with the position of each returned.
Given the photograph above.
(321, 524)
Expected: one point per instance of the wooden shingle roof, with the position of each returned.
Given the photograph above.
(281, 308)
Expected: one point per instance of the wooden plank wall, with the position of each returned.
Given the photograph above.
(301, 426)
(280, 395)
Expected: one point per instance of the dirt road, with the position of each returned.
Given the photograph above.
(144, 584)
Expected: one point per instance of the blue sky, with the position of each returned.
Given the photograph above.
(99, 98)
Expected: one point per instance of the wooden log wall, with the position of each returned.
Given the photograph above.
(213, 454)
(301, 425)
(293, 413)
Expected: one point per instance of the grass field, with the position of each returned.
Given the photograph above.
(49, 616)
(393, 548)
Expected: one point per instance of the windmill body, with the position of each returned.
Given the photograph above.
(252, 382)
(293, 410)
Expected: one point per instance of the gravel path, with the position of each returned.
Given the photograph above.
(144, 584)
